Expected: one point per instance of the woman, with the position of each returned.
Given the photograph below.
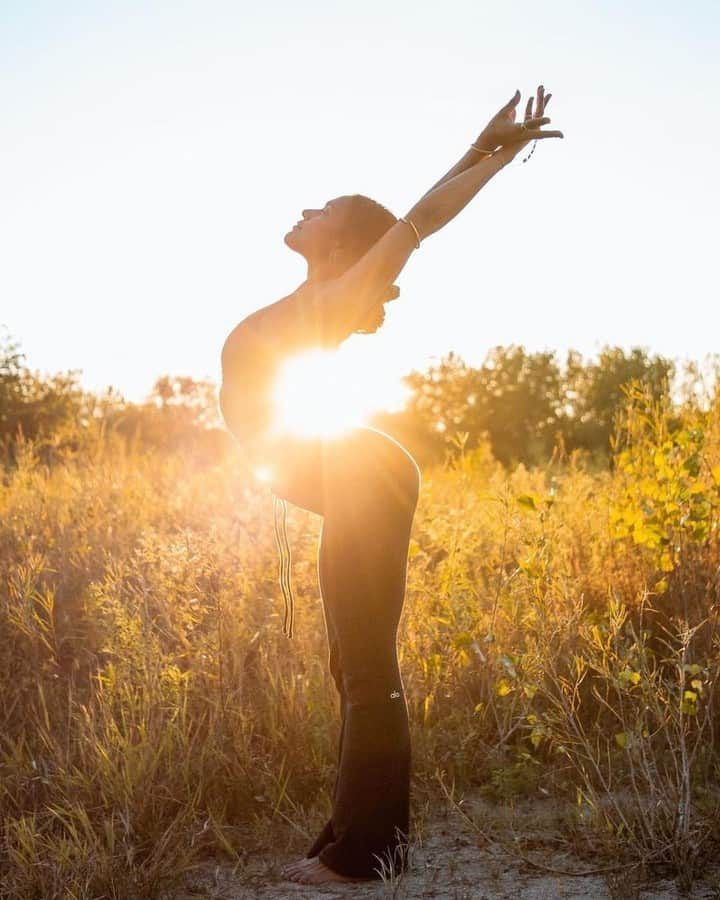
(364, 484)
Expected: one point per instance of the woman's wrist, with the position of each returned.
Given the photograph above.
(411, 224)
(484, 144)
(508, 152)
(415, 219)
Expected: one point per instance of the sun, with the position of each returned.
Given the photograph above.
(327, 393)
(315, 396)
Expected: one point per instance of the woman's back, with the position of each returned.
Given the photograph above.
(253, 354)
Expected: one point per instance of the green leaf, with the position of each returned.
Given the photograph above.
(529, 501)
(621, 739)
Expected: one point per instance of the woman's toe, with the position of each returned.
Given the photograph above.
(293, 867)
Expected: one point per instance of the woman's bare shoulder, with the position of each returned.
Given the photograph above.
(288, 326)
(252, 338)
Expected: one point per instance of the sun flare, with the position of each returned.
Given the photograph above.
(324, 394)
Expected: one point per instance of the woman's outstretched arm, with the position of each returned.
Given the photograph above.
(497, 131)
(340, 304)
(326, 313)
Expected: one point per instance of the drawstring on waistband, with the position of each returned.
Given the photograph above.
(283, 545)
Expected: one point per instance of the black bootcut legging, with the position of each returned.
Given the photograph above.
(366, 489)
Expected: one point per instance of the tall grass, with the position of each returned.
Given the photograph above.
(559, 636)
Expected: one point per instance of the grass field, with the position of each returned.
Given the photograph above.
(559, 639)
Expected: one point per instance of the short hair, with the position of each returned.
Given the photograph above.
(365, 221)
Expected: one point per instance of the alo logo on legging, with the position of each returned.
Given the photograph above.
(394, 695)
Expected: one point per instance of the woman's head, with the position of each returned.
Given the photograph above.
(336, 236)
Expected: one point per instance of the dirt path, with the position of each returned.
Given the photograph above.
(449, 862)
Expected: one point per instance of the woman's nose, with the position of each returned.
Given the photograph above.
(309, 213)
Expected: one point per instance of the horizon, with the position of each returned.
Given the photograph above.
(708, 370)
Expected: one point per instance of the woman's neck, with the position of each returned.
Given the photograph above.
(322, 271)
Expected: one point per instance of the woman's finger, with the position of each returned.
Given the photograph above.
(536, 122)
(528, 108)
(546, 100)
(539, 135)
(539, 105)
(513, 101)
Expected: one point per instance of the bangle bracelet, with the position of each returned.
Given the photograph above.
(480, 149)
(414, 228)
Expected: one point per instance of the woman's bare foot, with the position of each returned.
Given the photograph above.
(312, 871)
(294, 866)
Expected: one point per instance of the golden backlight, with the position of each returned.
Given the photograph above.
(315, 396)
(324, 394)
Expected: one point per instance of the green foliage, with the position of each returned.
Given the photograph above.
(597, 389)
(524, 403)
(668, 489)
(61, 420)
(36, 406)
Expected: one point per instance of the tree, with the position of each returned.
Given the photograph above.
(596, 391)
(514, 398)
(520, 403)
(32, 405)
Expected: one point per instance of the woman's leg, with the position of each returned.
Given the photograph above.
(371, 488)
(327, 834)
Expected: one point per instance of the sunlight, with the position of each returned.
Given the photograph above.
(324, 394)
(314, 397)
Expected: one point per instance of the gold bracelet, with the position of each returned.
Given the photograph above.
(480, 149)
(414, 228)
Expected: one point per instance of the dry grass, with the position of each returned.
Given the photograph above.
(153, 713)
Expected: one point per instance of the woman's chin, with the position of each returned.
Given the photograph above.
(294, 240)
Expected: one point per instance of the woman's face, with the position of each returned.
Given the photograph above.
(315, 235)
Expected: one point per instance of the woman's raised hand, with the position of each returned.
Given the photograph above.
(502, 130)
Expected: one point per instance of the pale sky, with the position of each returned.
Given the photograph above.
(155, 153)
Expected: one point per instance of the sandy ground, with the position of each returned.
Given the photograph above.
(450, 861)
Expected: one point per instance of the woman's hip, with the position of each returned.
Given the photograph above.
(363, 467)
(370, 461)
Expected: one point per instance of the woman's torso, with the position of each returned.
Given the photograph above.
(303, 470)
